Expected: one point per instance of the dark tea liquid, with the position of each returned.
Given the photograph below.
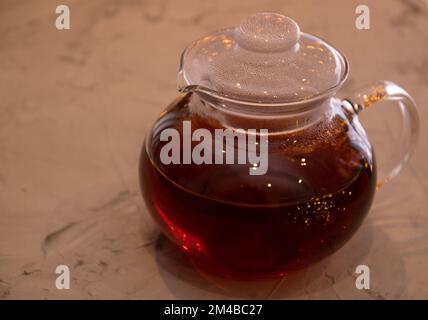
(312, 199)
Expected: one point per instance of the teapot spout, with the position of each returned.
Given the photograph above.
(185, 86)
(182, 84)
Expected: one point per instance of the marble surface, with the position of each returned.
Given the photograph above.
(74, 108)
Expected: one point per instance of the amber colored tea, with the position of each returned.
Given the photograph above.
(310, 202)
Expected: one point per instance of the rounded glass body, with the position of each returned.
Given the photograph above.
(317, 189)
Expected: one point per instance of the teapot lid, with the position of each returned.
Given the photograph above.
(264, 59)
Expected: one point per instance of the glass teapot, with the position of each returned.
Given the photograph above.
(257, 169)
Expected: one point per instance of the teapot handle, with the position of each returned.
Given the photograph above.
(389, 91)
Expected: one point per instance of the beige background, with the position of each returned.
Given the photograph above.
(74, 108)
